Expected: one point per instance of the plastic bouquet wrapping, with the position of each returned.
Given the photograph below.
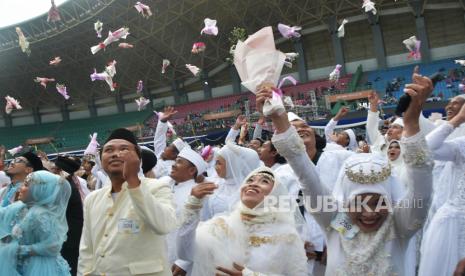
(259, 65)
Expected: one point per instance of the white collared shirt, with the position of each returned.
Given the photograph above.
(125, 236)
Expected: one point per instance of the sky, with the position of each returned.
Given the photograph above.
(15, 11)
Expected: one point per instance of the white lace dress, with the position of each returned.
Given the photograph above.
(264, 249)
(378, 253)
(443, 242)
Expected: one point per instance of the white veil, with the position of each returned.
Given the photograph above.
(223, 240)
(240, 161)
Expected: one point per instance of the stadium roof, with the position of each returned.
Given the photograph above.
(169, 33)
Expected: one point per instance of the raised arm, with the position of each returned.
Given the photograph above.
(411, 212)
(159, 138)
(152, 199)
(291, 147)
(191, 218)
(235, 130)
(374, 136)
(86, 249)
(289, 144)
(99, 173)
(331, 125)
(446, 151)
(257, 132)
(154, 204)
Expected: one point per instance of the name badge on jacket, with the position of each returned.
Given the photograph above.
(128, 226)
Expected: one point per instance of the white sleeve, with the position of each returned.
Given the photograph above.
(329, 130)
(257, 132)
(154, 204)
(374, 136)
(410, 214)
(206, 212)
(291, 147)
(99, 173)
(444, 151)
(83, 184)
(86, 251)
(232, 135)
(159, 138)
(186, 233)
(329, 165)
(426, 125)
(316, 235)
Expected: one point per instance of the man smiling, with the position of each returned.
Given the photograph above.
(125, 222)
(18, 169)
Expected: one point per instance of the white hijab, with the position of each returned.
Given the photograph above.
(365, 251)
(224, 239)
(367, 163)
(240, 161)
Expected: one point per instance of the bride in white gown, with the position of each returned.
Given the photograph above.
(443, 244)
(258, 238)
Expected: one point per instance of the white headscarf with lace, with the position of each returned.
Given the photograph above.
(224, 239)
(365, 251)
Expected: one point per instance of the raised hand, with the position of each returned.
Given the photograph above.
(419, 90)
(202, 189)
(42, 155)
(262, 95)
(168, 113)
(240, 121)
(373, 99)
(280, 121)
(131, 167)
(341, 113)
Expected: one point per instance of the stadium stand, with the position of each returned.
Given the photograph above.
(188, 121)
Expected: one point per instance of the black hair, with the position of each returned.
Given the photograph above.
(320, 142)
(259, 140)
(278, 158)
(149, 160)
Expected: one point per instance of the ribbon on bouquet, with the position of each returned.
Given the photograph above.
(278, 92)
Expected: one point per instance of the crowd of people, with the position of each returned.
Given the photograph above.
(194, 123)
(289, 203)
